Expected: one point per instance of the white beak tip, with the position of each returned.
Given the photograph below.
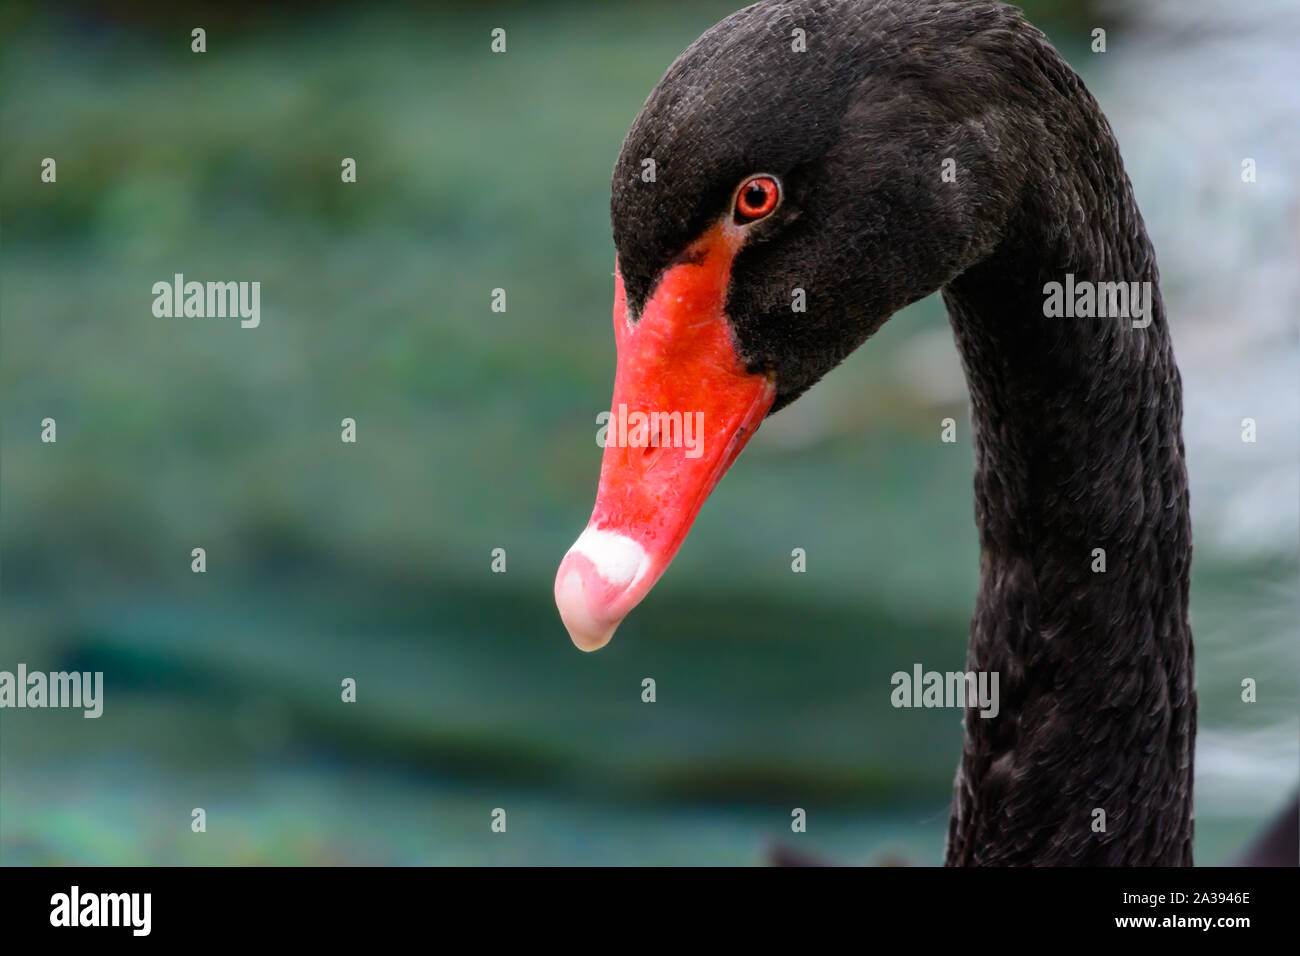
(587, 632)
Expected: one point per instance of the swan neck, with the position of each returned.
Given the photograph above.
(1081, 502)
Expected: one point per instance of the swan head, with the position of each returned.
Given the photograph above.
(781, 193)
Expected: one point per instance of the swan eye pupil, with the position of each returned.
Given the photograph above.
(757, 198)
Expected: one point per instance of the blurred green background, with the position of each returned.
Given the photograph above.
(476, 431)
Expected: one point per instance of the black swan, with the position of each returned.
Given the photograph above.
(869, 153)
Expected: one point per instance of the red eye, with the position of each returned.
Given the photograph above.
(757, 197)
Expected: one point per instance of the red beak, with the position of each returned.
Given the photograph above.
(684, 406)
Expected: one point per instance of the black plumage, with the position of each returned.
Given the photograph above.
(1076, 421)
